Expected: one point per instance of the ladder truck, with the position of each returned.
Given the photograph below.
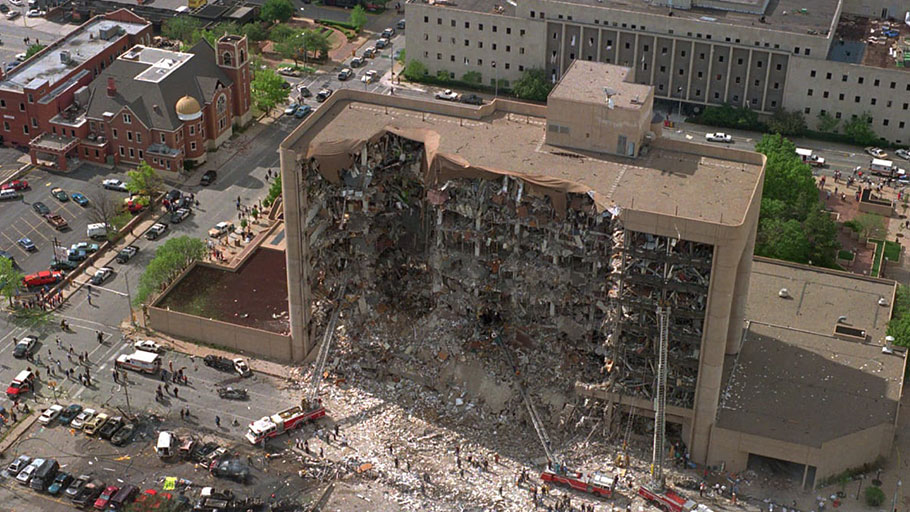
(310, 407)
(596, 483)
(655, 491)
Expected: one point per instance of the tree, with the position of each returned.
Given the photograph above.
(901, 301)
(472, 77)
(533, 85)
(787, 122)
(104, 210)
(171, 258)
(358, 17)
(144, 180)
(415, 70)
(782, 239)
(821, 231)
(442, 75)
(254, 31)
(274, 192)
(33, 49)
(181, 28)
(10, 278)
(267, 90)
(860, 130)
(874, 496)
(728, 116)
(276, 10)
(787, 178)
(281, 33)
(827, 123)
(317, 43)
(292, 47)
(899, 325)
(871, 225)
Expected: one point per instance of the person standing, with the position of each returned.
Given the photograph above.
(217, 421)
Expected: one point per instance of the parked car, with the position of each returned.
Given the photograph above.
(95, 425)
(400, 24)
(79, 199)
(219, 363)
(89, 493)
(60, 194)
(382, 43)
(18, 465)
(369, 53)
(288, 71)
(472, 99)
(25, 476)
(114, 184)
(179, 215)
(718, 137)
(304, 91)
(61, 481)
(220, 229)
(40, 208)
(15, 185)
(149, 346)
(208, 178)
(50, 414)
(22, 383)
(69, 414)
(242, 368)
(27, 244)
(63, 264)
(447, 95)
(110, 428)
(345, 74)
(76, 255)
(127, 253)
(13, 15)
(42, 278)
(156, 231)
(289, 111)
(387, 33)
(124, 435)
(369, 77)
(86, 416)
(231, 468)
(903, 153)
(356, 62)
(88, 247)
(77, 485)
(36, 13)
(101, 275)
(303, 111)
(876, 152)
(105, 497)
(25, 347)
(323, 94)
(57, 221)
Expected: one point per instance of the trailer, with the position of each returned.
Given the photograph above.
(595, 483)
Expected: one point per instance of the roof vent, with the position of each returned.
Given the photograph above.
(784, 293)
(842, 319)
(65, 56)
(882, 301)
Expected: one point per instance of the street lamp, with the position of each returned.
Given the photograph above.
(679, 91)
(894, 499)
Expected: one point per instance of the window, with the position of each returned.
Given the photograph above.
(221, 124)
(222, 104)
(22, 107)
(628, 45)
(467, 42)
(122, 152)
(495, 28)
(663, 69)
(480, 44)
(700, 74)
(758, 63)
(681, 71)
(480, 26)
(162, 138)
(807, 110)
(438, 56)
(521, 32)
(701, 56)
(521, 51)
(127, 119)
(663, 51)
(720, 58)
(97, 154)
(31, 99)
(532, 14)
(507, 65)
(739, 62)
(138, 137)
(796, 50)
(837, 115)
(900, 125)
(480, 62)
(129, 135)
(825, 94)
(114, 133)
(451, 58)
(132, 153)
(906, 105)
(193, 146)
(860, 80)
(508, 48)
(872, 101)
(140, 154)
(876, 82)
(682, 53)
(738, 80)
(780, 67)
(521, 68)
(843, 78)
(5, 126)
(828, 76)
(439, 21)
(453, 23)
(840, 96)
(467, 24)
(3, 103)
(716, 95)
(808, 50)
(856, 99)
(777, 86)
(508, 30)
(893, 85)
(809, 93)
(426, 19)
(34, 122)
(757, 83)
(884, 122)
(167, 164)
(773, 103)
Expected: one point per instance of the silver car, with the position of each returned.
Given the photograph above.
(25, 476)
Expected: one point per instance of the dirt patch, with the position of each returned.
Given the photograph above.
(254, 296)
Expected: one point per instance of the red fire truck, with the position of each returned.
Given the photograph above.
(667, 500)
(283, 421)
(594, 483)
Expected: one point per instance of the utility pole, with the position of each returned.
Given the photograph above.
(126, 391)
(894, 499)
(129, 298)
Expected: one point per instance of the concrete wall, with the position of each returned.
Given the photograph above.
(876, 8)
(247, 340)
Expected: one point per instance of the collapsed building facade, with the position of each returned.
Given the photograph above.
(566, 224)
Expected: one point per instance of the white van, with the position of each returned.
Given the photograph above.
(140, 361)
(167, 442)
(881, 167)
(97, 230)
(9, 194)
(807, 156)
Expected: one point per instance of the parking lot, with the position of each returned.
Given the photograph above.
(20, 219)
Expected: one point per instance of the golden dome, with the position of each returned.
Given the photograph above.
(187, 106)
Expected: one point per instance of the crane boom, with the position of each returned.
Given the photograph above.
(324, 349)
(660, 399)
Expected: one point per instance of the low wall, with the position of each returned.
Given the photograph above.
(237, 338)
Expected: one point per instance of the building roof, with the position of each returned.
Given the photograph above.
(150, 81)
(63, 56)
(793, 380)
(803, 17)
(671, 179)
(594, 82)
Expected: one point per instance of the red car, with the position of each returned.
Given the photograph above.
(42, 278)
(101, 502)
(15, 185)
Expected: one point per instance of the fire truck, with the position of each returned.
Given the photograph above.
(283, 421)
(666, 499)
(594, 483)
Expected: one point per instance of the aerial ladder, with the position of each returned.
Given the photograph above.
(312, 402)
(656, 490)
(595, 483)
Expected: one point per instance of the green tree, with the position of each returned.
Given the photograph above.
(787, 122)
(181, 28)
(871, 225)
(533, 85)
(899, 325)
(874, 496)
(281, 33)
(254, 31)
(274, 192)
(171, 258)
(33, 49)
(267, 91)
(728, 116)
(827, 123)
(787, 178)
(401, 56)
(821, 231)
(859, 129)
(415, 70)
(276, 10)
(10, 278)
(144, 181)
(472, 77)
(443, 75)
(358, 17)
(901, 301)
(291, 47)
(316, 42)
(782, 239)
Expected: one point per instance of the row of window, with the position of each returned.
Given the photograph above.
(856, 99)
(467, 62)
(859, 80)
(838, 115)
(467, 43)
(467, 25)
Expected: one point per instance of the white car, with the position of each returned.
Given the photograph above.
(242, 368)
(903, 153)
(289, 111)
(876, 152)
(50, 414)
(114, 184)
(220, 229)
(21, 56)
(25, 476)
(447, 95)
(369, 77)
(288, 71)
(102, 275)
(16, 2)
(148, 346)
(84, 417)
(36, 13)
(718, 137)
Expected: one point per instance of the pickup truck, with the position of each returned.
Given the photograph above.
(718, 137)
(57, 221)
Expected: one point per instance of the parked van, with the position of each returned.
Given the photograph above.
(23, 383)
(124, 496)
(9, 194)
(44, 475)
(140, 361)
(807, 156)
(167, 442)
(881, 167)
(97, 230)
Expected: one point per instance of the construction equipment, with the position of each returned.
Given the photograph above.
(656, 491)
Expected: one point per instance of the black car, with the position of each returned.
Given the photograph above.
(201, 451)
(231, 468)
(304, 91)
(472, 99)
(111, 427)
(180, 215)
(219, 363)
(78, 484)
(89, 493)
(173, 195)
(323, 95)
(124, 435)
(208, 178)
(63, 265)
(24, 347)
(41, 208)
(127, 253)
(156, 231)
(69, 413)
(4, 9)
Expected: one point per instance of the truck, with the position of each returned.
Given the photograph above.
(666, 499)
(595, 483)
(807, 156)
(140, 361)
(57, 221)
(882, 167)
(284, 421)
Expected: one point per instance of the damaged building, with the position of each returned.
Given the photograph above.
(559, 228)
